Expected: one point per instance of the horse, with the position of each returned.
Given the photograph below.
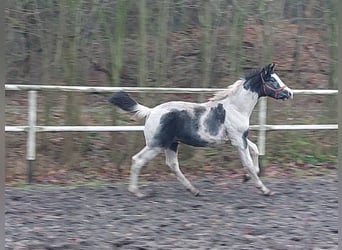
(224, 117)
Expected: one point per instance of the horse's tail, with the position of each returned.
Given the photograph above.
(125, 102)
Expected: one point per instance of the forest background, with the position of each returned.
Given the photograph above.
(160, 43)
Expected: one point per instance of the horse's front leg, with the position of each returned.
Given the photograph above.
(253, 150)
(247, 162)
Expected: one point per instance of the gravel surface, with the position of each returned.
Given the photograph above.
(228, 215)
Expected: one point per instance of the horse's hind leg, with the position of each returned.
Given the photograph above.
(138, 161)
(172, 162)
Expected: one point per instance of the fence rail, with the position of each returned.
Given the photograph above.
(141, 128)
(92, 89)
(32, 128)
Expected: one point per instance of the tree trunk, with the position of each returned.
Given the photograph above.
(72, 105)
(161, 59)
(206, 19)
(116, 42)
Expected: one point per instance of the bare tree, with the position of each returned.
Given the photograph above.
(70, 61)
(160, 61)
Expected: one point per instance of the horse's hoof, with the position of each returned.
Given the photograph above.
(269, 193)
(136, 192)
(195, 192)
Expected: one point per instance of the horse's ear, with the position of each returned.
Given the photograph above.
(264, 71)
(269, 69)
(272, 67)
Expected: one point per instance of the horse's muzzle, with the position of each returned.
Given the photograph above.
(286, 94)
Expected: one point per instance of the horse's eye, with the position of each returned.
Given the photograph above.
(268, 78)
(272, 80)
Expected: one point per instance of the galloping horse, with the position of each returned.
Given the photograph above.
(225, 117)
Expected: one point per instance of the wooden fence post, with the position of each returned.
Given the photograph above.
(262, 132)
(262, 127)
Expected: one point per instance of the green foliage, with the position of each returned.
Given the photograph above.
(298, 147)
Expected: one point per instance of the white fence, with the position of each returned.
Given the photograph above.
(32, 128)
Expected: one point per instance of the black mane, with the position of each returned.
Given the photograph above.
(253, 81)
(251, 74)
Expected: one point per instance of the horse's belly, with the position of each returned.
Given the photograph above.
(195, 141)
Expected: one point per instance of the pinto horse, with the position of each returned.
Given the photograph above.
(224, 117)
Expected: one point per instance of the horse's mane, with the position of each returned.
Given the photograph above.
(250, 81)
(252, 74)
(253, 80)
(231, 89)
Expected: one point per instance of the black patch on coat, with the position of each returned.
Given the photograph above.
(198, 111)
(123, 101)
(179, 125)
(244, 138)
(215, 119)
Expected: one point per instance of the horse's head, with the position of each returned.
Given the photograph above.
(272, 86)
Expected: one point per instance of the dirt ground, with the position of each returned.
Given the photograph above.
(228, 215)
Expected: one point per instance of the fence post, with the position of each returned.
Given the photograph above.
(31, 140)
(262, 128)
(262, 131)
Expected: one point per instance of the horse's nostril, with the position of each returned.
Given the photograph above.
(291, 94)
(288, 93)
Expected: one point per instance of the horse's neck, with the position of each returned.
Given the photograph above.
(243, 101)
